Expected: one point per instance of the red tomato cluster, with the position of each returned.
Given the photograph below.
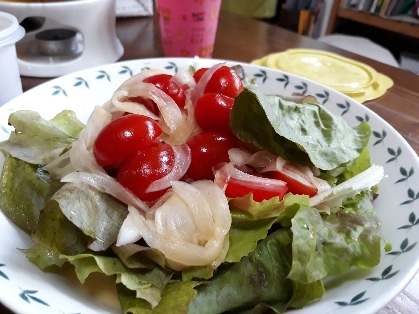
(169, 86)
(210, 148)
(212, 114)
(165, 83)
(129, 145)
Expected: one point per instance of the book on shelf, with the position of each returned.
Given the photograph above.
(377, 7)
(360, 5)
(391, 6)
(415, 12)
(384, 7)
(402, 7)
(313, 22)
(365, 5)
(372, 6)
(351, 4)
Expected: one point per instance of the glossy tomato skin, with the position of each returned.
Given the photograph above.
(225, 81)
(212, 112)
(198, 74)
(147, 166)
(123, 137)
(294, 186)
(208, 149)
(236, 188)
(170, 87)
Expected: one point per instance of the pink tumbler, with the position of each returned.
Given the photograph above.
(188, 27)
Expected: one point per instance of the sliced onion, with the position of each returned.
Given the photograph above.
(239, 156)
(121, 103)
(120, 99)
(188, 128)
(80, 156)
(107, 184)
(60, 167)
(302, 174)
(228, 172)
(260, 159)
(181, 164)
(176, 124)
(222, 175)
(81, 153)
(265, 161)
(187, 235)
(321, 185)
(200, 87)
(184, 78)
(199, 207)
(129, 232)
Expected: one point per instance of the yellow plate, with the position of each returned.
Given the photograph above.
(348, 76)
(377, 89)
(343, 74)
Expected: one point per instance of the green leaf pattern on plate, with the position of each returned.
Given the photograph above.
(29, 296)
(395, 153)
(354, 301)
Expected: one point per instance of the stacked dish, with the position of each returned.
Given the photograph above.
(345, 75)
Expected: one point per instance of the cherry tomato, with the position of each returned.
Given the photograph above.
(198, 74)
(212, 112)
(225, 81)
(148, 103)
(123, 137)
(295, 186)
(261, 189)
(147, 166)
(208, 149)
(169, 86)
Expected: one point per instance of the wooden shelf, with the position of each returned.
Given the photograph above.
(407, 26)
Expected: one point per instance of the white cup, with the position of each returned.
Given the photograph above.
(10, 33)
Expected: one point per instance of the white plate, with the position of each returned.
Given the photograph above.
(26, 289)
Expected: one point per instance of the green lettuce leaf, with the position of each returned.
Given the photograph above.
(36, 140)
(356, 166)
(246, 206)
(244, 235)
(40, 256)
(197, 272)
(301, 133)
(66, 121)
(97, 214)
(261, 277)
(333, 198)
(24, 191)
(251, 221)
(332, 244)
(175, 299)
(137, 256)
(147, 283)
(140, 287)
(57, 233)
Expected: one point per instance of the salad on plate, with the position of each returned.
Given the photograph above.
(197, 193)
